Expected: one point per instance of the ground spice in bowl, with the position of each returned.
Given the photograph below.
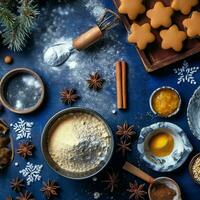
(160, 191)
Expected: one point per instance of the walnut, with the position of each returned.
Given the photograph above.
(5, 156)
(4, 141)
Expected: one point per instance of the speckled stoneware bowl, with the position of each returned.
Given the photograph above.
(193, 113)
(151, 101)
(47, 133)
(181, 150)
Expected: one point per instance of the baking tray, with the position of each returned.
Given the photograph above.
(154, 57)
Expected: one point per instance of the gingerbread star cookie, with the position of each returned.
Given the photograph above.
(172, 38)
(160, 15)
(184, 6)
(141, 35)
(192, 24)
(132, 8)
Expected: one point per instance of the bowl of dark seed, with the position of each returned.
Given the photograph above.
(194, 168)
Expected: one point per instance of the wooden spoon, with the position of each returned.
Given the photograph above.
(147, 178)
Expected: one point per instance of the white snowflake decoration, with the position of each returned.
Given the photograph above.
(186, 73)
(23, 129)
(31, 172)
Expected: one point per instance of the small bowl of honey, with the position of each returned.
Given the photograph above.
(165, 102)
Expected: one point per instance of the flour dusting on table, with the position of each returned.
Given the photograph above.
(99, 58)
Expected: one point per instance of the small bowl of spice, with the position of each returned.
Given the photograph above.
(194, 168)
(165, 102)
(164, 188)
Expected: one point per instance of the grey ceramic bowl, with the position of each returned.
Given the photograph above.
(161, 88)
(193, 113)
(178, 156)
(46, 135)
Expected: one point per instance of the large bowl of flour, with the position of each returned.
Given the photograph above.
(77, 143)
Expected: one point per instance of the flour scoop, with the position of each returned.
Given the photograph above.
(57, 54)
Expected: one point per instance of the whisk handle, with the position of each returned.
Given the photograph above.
(88, 38)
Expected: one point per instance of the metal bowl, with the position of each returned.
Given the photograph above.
(31, 94)
(190, 168)
(151, 99)
(46, 134)
(170, 183)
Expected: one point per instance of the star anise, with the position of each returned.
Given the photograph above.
(50, 189)
(137, 191)
(25, 196)
(125, 131)
(95, 81)
(123, 147)
(111, 181)
(17, 184)
(26, 149)
(68, 96)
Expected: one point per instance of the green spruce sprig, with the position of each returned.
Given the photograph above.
(17, 25)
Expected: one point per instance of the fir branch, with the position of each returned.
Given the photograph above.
(15, 35)
(6, 17)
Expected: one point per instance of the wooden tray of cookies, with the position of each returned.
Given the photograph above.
(154, 57)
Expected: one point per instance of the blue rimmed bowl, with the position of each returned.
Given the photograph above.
(182, 147)
(193, 113)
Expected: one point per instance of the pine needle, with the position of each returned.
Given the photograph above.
(6, 17)
(16, 28)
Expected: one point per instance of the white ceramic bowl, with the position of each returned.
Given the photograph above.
(180, 153)
(193, 113)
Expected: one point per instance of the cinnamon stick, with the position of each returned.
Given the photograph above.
(138, 172)
(119, 85)
(124, 84)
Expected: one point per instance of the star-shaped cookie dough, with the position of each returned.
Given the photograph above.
(192, 24)
(141, 35)
(172, 38)
(184, 6)
(132, 8)
(160, 15)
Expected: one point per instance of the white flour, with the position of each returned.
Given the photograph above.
(58, 53)
(80, 143)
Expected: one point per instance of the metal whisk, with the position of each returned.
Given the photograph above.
(108, 20)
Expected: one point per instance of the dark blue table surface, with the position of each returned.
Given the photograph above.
(59, 21)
